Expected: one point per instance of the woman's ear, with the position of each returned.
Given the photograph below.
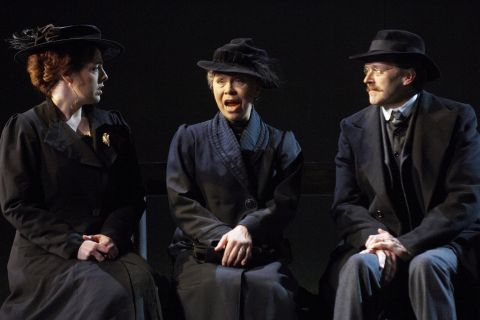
(67, 78)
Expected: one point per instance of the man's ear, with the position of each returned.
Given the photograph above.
(409, 76)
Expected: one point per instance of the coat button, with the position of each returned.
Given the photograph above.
(96, 212)
(396, 154)
(379, 214)
(250, 203)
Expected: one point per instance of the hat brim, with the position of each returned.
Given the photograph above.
(110, 49)
(223, 67)
(432, 70)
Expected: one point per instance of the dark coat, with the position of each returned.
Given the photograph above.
(211, 190)
(442, 160)
(55, 187)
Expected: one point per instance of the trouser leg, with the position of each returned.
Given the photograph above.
(359, 279)
(431, 276)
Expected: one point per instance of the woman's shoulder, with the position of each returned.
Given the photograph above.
(280, 135)
(107, 116)
(193, 129)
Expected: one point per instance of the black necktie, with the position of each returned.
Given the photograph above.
(398, 124)
(397, 117)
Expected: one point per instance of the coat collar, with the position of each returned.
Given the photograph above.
(255, 138)
(62, 138)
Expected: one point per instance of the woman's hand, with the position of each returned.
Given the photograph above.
(90, 249)
(237, 244)
(97, 245)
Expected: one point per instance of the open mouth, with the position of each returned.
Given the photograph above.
(232, 103)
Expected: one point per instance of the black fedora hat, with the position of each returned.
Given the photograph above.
(49, 37)
(402, 46)
(241, 56)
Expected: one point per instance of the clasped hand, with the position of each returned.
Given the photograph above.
(387, 248)
(237, 246)
(98, 247)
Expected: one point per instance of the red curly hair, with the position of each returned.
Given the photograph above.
(47, 68)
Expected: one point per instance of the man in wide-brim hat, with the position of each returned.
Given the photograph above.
(233, 184)
(407, 190)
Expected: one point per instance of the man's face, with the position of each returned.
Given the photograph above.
(387, 84)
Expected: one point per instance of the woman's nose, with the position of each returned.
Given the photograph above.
(230, 89)
(103, 75)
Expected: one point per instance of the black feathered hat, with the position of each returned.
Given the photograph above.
(402, 46)
(241, 56)
(49, 37)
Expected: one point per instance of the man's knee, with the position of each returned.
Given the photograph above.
(431, 265)
(360, 264)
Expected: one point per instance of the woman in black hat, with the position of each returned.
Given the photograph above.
(70, 185)
(233, 184)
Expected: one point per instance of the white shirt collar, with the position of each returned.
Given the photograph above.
(405, 109)
(75, 119)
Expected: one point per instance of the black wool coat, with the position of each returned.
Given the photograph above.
(55, 187)
(441, 159)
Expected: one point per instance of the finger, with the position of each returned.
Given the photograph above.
(370, 240)
(97, 255)
(222, 243)
(248, 256)
(383, 245)
(240, 256)
(101, 248)
(233, 255)
(381, 258)
(94, 238)
(226, 253)
(380, 230)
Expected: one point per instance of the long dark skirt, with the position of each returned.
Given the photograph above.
(209, 291)
(50, 287)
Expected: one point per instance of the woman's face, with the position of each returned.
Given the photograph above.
(87, 83)
(234, 94)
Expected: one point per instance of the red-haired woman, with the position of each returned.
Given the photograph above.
(70, 185)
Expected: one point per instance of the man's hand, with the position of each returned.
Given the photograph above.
(387, 261)
(237, 244)
(385, 241)
(387, 248)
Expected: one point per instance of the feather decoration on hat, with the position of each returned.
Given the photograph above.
(31, 37)
(266, 68)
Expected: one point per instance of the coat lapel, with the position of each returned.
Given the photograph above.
(367, 136)
(433, 120)
(228, 148)
(102, 136)
(63, 139)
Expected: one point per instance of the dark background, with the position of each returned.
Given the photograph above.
(157, 85)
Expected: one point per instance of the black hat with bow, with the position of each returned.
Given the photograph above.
(241, 56)
(50, 37)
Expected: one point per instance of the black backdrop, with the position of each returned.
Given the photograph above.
(157, 85)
